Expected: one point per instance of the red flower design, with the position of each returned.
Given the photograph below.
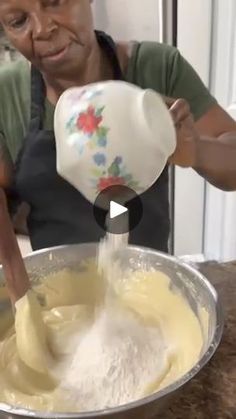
(88, 122)
(110, 181)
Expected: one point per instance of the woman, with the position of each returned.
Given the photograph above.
(57, 37)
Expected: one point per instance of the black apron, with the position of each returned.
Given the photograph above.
(59, 214)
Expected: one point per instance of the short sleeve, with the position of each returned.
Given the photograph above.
(14, 105)
(161, 67)
(184, 82)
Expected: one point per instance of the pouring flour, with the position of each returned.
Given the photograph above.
(83, 353)
(99, 352)
(80, 353)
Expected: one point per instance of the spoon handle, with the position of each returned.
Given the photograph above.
(15, 273)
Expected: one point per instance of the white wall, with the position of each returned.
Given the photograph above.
(195, 45)
(220, 238)
(128, 19)
(133, 19)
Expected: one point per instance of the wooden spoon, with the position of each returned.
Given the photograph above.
(15, 273)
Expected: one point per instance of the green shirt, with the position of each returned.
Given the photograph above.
(152, 65)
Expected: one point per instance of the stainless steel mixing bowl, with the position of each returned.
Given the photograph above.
(194, 286)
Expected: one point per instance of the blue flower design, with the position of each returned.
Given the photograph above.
(100, 159)
(118, 160)
(102, 141)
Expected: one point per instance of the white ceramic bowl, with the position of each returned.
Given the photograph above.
(112, 133)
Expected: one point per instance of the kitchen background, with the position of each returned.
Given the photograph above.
(204, 218)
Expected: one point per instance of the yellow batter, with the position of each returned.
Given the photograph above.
(43, 337)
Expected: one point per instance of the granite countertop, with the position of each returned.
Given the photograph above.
(212, 394)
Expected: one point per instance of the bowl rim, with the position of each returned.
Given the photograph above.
(205, 358)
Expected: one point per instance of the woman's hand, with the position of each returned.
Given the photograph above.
(185, 154)
(212, 157)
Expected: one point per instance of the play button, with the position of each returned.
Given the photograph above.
(118, 209)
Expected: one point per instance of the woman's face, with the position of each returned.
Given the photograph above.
(57, 36)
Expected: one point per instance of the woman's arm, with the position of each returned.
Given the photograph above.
(6, 175)
(208, 146)
(6, 166)
(216, 160)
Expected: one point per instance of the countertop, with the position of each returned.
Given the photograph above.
(212, 394)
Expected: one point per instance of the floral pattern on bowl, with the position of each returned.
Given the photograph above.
(116, 174)
(86, 130)
(86, 94)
